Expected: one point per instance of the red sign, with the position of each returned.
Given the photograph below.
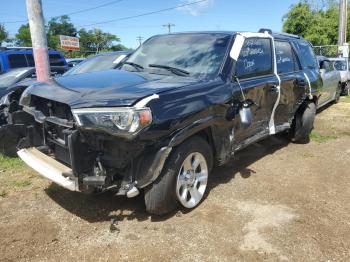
(69, 43)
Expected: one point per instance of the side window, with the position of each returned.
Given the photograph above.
(286, 59)
(56, 60)
(255, 58)
(17, 60)
(30, 60)
(307, 56)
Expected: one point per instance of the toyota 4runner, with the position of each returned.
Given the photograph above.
(180, 104)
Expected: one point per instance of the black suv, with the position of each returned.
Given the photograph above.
(180, 104)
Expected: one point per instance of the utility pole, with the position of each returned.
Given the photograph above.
(139, 38)
(169, 26)
(39, 40)
(343, 10)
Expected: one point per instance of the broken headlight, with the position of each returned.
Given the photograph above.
(124, 121)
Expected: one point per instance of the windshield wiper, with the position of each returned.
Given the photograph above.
(137, 66)
(174, 70)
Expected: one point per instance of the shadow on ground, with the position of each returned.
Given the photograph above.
(108, 207)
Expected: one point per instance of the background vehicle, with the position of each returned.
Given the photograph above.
(342, 66)
(181, 103)
(72, 62)
(331, 79)
(11, 58)
(100, 62)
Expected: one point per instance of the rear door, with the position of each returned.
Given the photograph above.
(292, 81)
(254, 70)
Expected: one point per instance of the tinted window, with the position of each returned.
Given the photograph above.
(56, 60)
(30, 59)
(255, 58)
(307, 55)
(285, 57)
(200, 54)
(18, 60)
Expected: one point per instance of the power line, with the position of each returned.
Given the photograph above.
(143, 14)
(69, 14)
(91, 8)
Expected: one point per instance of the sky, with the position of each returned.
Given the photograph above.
(232, 15)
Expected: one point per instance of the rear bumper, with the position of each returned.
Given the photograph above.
(49, 168)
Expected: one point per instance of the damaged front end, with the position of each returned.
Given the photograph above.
(90, 149)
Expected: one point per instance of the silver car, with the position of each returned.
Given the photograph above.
(332, 84)
(342, 66)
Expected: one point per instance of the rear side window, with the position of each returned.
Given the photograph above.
(307, 56)
(285, 58)
(17, 60)
(56, 60)
(255, 58)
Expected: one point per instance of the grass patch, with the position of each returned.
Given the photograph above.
(7, 163)
(21, 183)
(321, 138)
(3, 193)
(347, 99)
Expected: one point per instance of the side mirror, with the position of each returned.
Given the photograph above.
(245, 113)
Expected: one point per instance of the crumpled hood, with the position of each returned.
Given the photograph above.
(106, 88)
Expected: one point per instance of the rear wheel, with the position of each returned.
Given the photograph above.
(183, 180)
(303, 123)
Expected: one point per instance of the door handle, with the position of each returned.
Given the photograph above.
(273, 89)
(301, 82)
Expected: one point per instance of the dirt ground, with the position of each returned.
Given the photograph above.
(276, 201)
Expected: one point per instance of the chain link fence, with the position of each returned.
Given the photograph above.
(327, 50)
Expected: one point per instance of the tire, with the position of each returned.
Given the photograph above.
(8, 143)
(161, 197)
(303, 123)
(338, 93)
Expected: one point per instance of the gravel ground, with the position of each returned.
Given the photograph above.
(276, 201)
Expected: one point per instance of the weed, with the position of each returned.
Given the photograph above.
(3, 193)
(21, 183)
(321, 138)
(7, 163)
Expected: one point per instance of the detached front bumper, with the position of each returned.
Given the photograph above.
(49, 168)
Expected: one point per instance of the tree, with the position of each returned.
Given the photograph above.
(298, 19)
(96, 40)
(59, 26)
(23, 37)
(3, 34)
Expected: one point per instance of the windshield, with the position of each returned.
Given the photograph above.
(340, 65)
(96, 63)
(201, 55)
(11, 77)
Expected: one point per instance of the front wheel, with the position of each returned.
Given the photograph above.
(183, 180)
(303, 123)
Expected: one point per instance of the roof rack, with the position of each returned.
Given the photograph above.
(263, 30)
